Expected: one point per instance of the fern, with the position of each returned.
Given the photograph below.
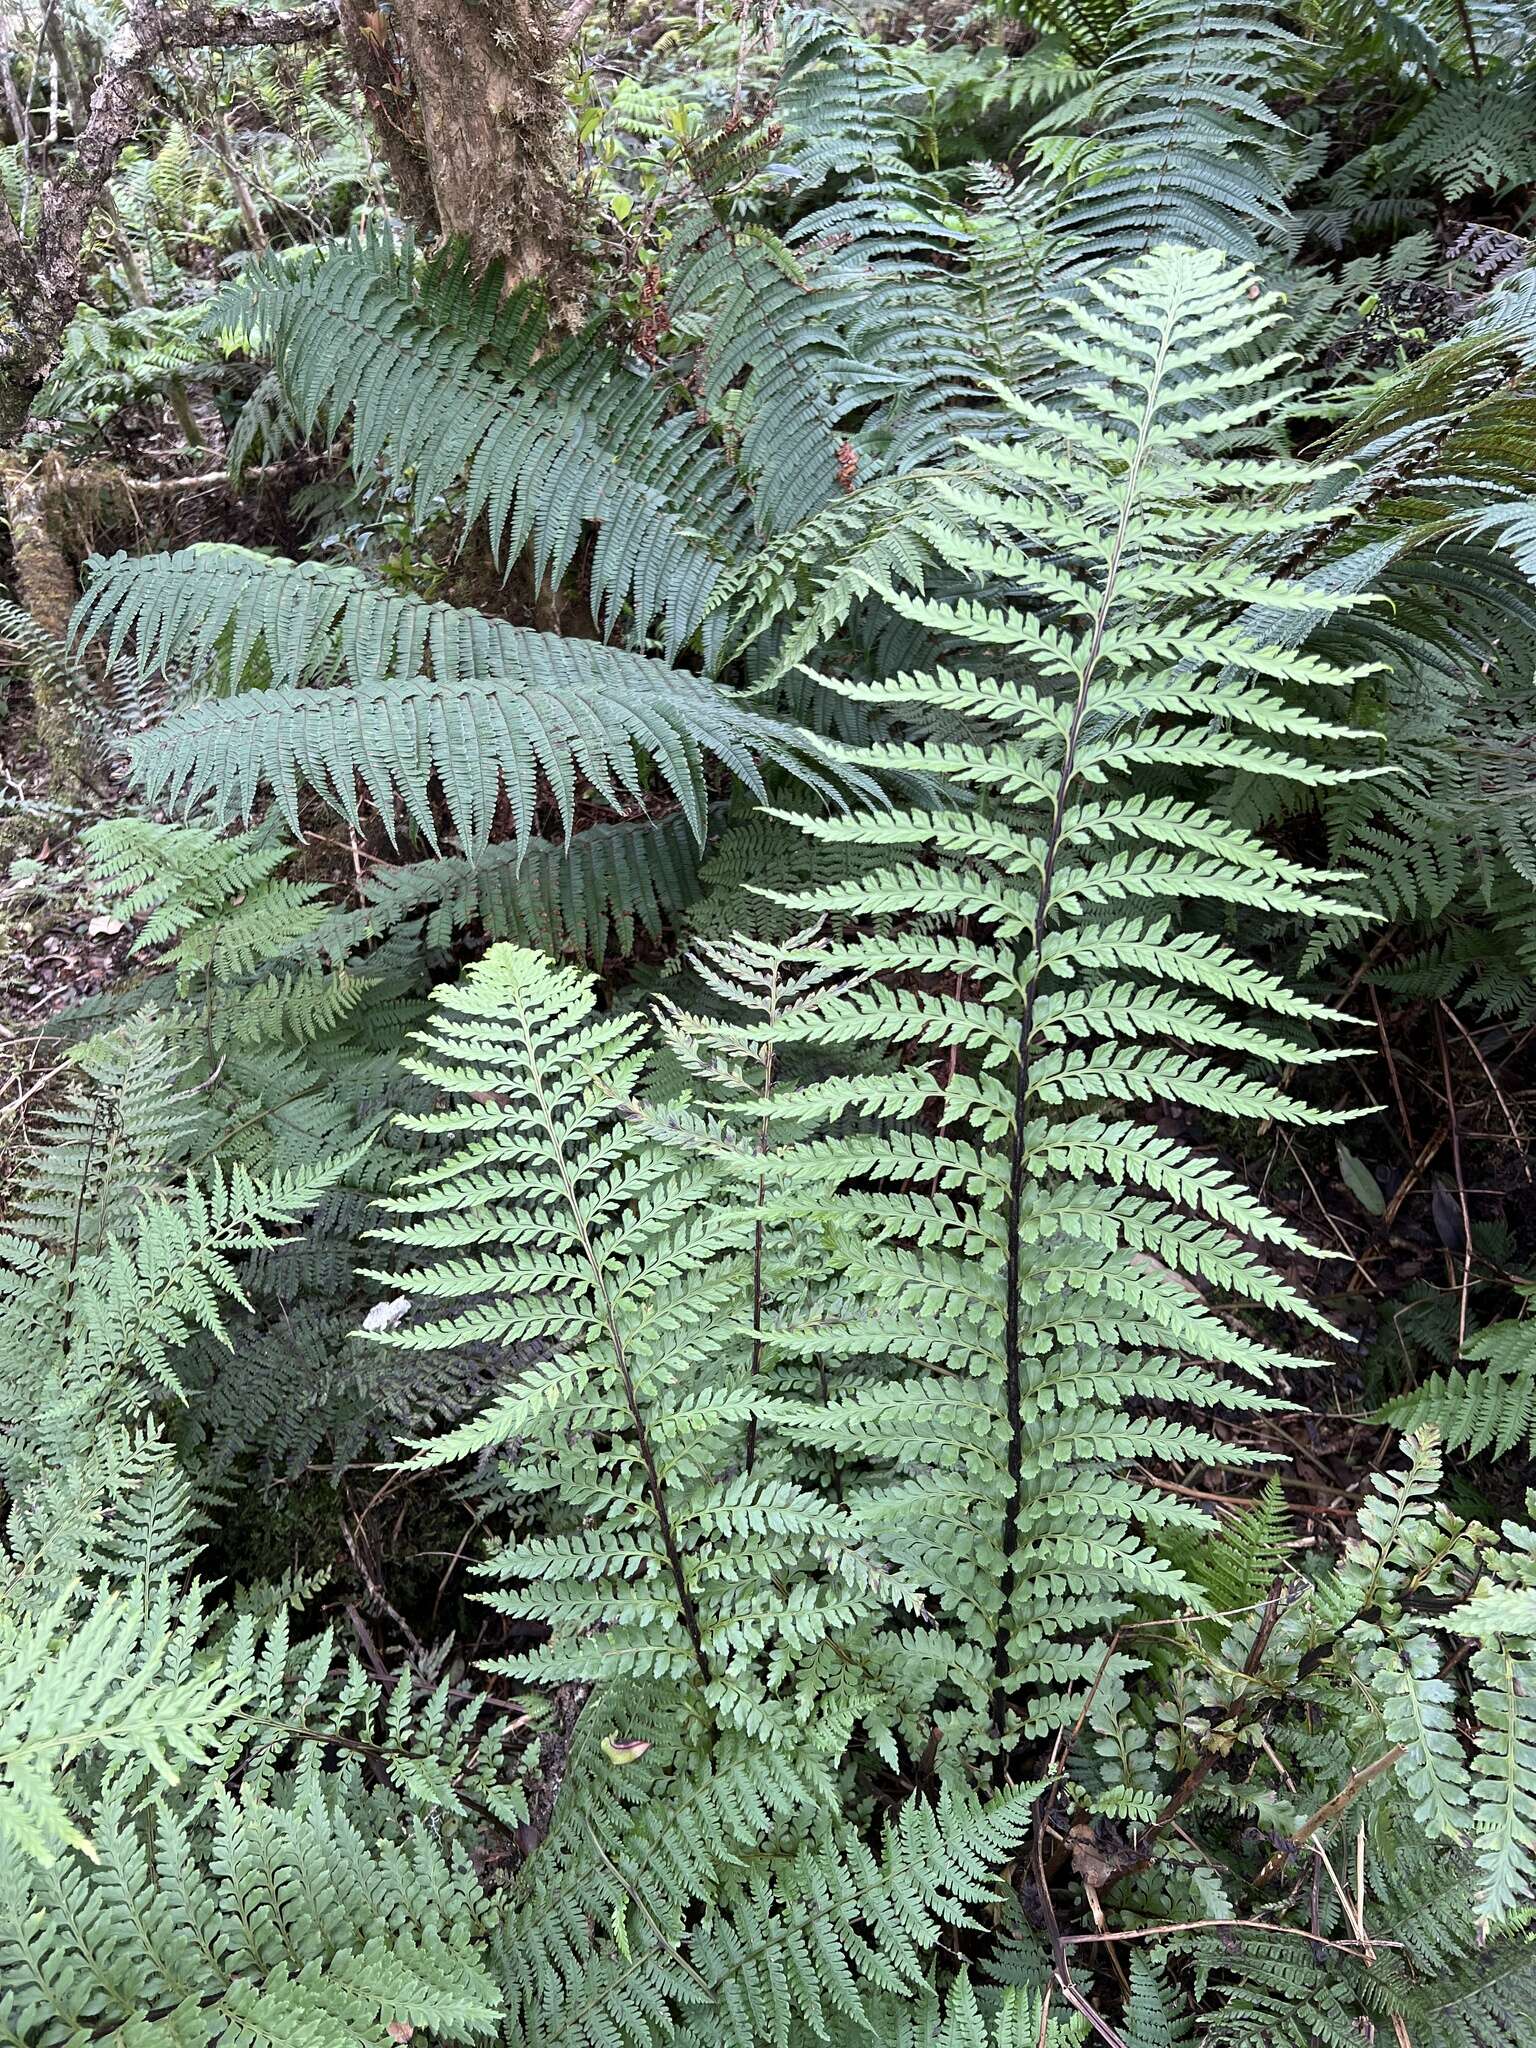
(593, 894)
(761, 1317)
(439, 381)
(1468, 135)
(825, 1934)
(100, 1678)
(305, 1915)
(1152, 2019)
(1236, 1568)
(606, 1271)
(1062, 1002)
(1489, 1409)
(1191, 151)
(120, 1130)
(86, 1331)
(497, 713)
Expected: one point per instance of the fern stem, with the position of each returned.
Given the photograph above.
(655, 1490)
(757, 1242)
(1464, 15)
(1013, 1362)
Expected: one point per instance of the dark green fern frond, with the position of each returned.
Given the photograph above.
(121, 1132)
(1237, 1567)
(589, 895)
(475, 744)
(1190, 149)
(496, 713)
(434, 392)
(1092, 29)
(1471, 135)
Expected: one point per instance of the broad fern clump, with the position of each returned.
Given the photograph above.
(766, 1237)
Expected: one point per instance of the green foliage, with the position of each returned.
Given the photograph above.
(1186, 147)
(1014, 1216)
(650, 1329)
(552, 1232)
(270, 1897)
(109, 1681)
(438, 377)
(427, 699)
(591, 894)
(1486, 1409)
(1469, 136)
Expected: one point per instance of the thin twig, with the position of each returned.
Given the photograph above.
(1332, 1808)
(1345, 1948)
(1498, 1093)
(1461, 1185)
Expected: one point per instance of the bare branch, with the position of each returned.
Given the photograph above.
(204, 27)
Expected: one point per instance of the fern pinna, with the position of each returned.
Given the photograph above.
(1048, 936)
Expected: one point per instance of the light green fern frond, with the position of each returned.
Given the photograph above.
(99, 1677)
(608, 1272)
(832, 1933)
(1052, 964)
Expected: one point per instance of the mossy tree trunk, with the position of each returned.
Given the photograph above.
(488, 77)
(45, 589)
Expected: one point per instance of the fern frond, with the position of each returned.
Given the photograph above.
(1488, 1406)
(441, 385)
(1041, 879)
(608, 1271)
(496, 713)
(589, 895)
(103, 1676)
(1188, 150)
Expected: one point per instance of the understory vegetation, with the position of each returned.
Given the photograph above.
(767, 1035)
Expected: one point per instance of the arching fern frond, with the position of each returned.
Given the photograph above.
(721, 1929)
(490, 710)
(439, 387)
(476, 743)
(1188, 148)
(588, 895)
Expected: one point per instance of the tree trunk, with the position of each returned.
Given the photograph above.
(499, 142)
(373, 43)
(45, 589)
